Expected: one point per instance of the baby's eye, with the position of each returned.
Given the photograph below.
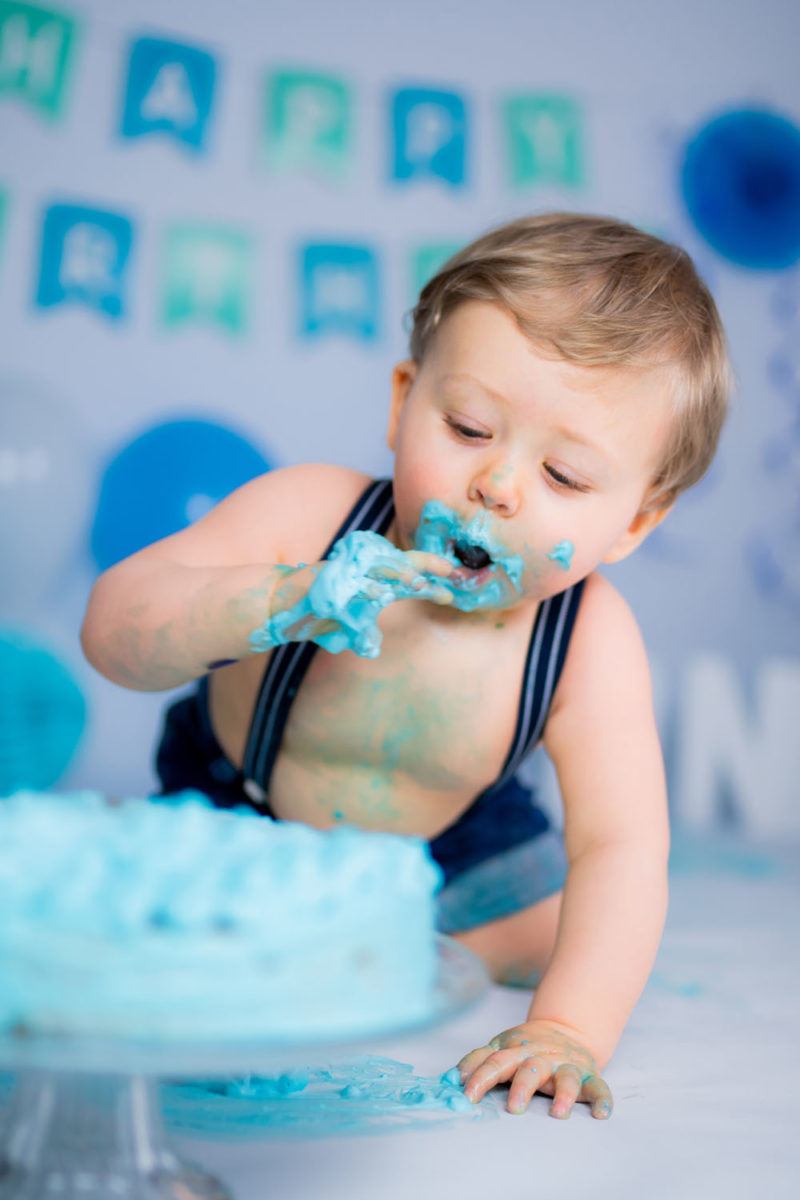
(564, 480)
(466, 430)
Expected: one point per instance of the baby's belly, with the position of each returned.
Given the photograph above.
(326, 795)
(388, 750)
(402, 743)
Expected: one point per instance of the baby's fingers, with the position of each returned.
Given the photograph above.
(409, 569)
(472, 1060)
(597, 1093)
(497, 1068)
(567, 1085)
(388, 585)
(309, 626)
(531, 1074)
(430, 564)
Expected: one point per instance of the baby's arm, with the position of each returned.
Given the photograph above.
(602, 737)
(163, 616)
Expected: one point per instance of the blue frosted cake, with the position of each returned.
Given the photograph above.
(175, 920)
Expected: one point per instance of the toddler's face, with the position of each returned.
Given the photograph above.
(560, 456)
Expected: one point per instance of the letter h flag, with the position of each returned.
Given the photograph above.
(36, 46)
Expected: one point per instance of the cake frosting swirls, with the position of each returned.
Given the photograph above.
(172, 919)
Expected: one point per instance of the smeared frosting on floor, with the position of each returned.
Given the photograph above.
(363, 1095)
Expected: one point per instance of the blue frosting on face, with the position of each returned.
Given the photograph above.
(440, 529)
(562, 554)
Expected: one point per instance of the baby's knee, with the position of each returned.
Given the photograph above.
(516, 949)
(518, 975)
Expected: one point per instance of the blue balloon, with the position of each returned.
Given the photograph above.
(42, 714)
(164, 480)
(741, 185)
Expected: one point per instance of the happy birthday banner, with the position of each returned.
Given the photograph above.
(305, 123)
(207, 274)
(305, 120)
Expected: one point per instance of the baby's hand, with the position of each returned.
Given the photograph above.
(336, 603)
(416, 573)
(537, 1056)
(289, 595)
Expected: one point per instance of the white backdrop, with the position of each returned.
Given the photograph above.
(723, 635)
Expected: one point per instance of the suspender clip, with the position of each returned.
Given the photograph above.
(255, 792)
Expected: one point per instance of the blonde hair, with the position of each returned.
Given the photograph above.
(599, 292)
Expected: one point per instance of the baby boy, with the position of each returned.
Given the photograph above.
(385, 653)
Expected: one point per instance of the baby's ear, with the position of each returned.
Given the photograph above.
(643, 523)
(403, 377)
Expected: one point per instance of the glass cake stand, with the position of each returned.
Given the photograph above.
(85, 1123)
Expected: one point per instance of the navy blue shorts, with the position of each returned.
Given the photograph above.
(500, 856)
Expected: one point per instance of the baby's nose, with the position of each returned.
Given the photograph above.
(496, 489)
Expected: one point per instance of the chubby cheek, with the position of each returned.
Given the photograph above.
(414, 484)
(553, 566)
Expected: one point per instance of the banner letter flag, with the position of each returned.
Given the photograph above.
(429, 133)
(307, 124)
(207, 277)
(170, 90)
(340, 291)
(543, 139)
(427, 260)
(84, 256)
(36, 50)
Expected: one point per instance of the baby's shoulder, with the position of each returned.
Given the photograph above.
(310, 500)
(605, 650)
(284, 516)
(319, 485)
(603, 610)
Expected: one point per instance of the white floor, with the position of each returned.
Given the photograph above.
(705, 1079)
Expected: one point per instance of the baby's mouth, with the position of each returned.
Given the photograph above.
(477, 563)
(472, 556)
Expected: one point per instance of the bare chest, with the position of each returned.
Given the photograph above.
(404, 741)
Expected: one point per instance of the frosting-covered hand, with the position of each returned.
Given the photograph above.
(537, 1056)
(336, 603)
